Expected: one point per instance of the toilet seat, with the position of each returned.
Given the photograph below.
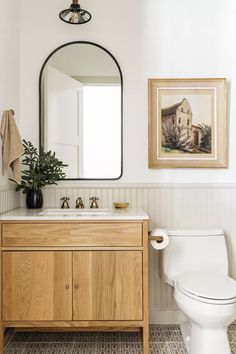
(209, 287)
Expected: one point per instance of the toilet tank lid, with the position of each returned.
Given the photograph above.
(205, 232)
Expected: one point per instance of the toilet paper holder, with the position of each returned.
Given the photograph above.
(154, 238)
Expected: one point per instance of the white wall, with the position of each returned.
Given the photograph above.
(191, 38)
(149, 38)
(9, 62)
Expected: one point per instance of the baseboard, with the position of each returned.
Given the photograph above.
(166, 317)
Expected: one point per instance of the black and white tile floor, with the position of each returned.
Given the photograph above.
(164, 339)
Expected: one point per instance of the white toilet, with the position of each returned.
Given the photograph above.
(195, 263)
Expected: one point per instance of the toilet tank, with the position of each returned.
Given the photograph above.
(193, 250)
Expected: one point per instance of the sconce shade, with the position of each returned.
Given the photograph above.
(75, 15)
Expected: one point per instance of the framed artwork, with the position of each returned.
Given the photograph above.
(187, 123)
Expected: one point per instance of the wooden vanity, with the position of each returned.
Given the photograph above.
(85, 274)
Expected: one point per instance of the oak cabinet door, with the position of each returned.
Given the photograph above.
(107, 285)
(37, 286)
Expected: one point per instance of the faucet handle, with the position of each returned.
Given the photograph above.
(94, 203)
(65, 204)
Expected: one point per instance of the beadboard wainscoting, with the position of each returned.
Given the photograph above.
(171, 206)
(9, 199)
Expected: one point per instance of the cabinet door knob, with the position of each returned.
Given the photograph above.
(76, 286)
(67, 286)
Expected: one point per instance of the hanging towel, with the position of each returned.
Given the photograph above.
(12, 147)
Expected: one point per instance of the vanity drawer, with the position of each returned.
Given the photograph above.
(73, 234)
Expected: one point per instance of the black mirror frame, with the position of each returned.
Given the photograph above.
(122, 123)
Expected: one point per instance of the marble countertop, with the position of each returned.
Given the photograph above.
(23, 214)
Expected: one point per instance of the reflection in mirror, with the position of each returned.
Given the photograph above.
(81, 110)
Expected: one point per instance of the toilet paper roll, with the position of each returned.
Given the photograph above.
(160, 245)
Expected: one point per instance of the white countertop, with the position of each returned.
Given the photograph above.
(22, 214)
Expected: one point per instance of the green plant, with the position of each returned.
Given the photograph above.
(205, 143)
(42, 168)
(175, 138)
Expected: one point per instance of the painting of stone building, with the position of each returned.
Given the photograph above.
(180, 134)
(187, 125)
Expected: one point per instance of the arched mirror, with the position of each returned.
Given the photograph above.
(81, 110)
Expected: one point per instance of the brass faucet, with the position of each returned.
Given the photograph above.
(79, 203)
(94, 204)
(65, 204)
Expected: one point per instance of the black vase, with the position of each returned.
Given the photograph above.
(34, 199)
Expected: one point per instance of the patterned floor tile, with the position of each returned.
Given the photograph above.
(15, 348)
(40, 348)
(76, 337)
(232, 335)
(85, 348)
(44, 337)
(167, 348)
(108, 348)
(164, 328)
(233, 348)
(166, 336)
(159, 348)
(164, 339)
(125, 337)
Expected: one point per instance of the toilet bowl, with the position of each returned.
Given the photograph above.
(195, 264)
(208, 299)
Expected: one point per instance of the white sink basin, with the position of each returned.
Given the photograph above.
(75, 212)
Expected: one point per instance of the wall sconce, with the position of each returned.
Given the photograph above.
(75, 15)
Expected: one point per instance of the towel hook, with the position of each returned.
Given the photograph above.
(12, 111)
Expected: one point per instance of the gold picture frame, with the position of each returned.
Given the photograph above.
(187, 123)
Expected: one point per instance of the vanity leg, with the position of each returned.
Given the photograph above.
(145, 290)
(1, 340)
(2, 329)
(146, 339)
